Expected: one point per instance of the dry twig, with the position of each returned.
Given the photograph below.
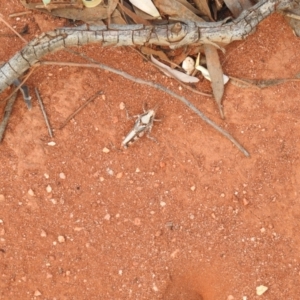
(4, 22)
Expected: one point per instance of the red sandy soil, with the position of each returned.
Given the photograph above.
(187, 217)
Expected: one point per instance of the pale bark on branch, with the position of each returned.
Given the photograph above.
(173, 35)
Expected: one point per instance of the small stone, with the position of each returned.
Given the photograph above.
(137, 170)
(2, 198)
(68, 273)
(230, 297)
(53, 201)
(105, 150)
(222, 195)
(101, 179)
(103, 97)
(109, 171)
(213, 216)
(107, 217)
(37, 293)
(193, 188)
(119, 175)
(162, 203)
(31, 193)
(120, 272)
(51, 144)
(62, 176)
(49, 275)
(122, 105)
(49, 189)
(174, 253)
(245, 201)
(61, 239)
(263, 230)
(162, 164)
(46, 176)
(155, 288)
(261, 290)
(43, 233)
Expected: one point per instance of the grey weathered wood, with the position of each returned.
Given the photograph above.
(188, 33)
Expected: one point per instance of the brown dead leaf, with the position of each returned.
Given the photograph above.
(216, 74)
(137, 19)
(203, 7)
(237, 6)
(112, 4)
(177, 10)
(160, 54)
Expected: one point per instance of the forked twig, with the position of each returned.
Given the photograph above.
(44, 112)
(158, 86)
(7, 112)
(80, 108)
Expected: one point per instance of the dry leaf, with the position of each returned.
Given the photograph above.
(146, 6)
(237, 6)
(203, 7)
(174, 73)
(149, 51)
(216, 74)
(137, 19)
(112, 4)
(189, 6)
(176, 10)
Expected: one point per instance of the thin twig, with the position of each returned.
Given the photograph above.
(152, 84)
(44, 112)
(20, 85)
(19, 14)
(80, 109)
(7, 112)
(3, 21)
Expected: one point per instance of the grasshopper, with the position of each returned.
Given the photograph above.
(143, 123)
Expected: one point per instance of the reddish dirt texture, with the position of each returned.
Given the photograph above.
(187, 217)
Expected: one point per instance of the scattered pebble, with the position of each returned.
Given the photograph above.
(137, 170)
(261, 290)
(263, 230)
(37, 293)
(120, 272)
(162, 164)
(222, 195)
(46, 176)
(119, 175)
(31, 193)
(49, 189)
(51, 144)
(122, 105)
(105, 150)
(43, 233)
(107, 217)
(109, 171)
(192, 217)
(61, 239)
(162, 203)
(2, 198)
(154, 287)
(213, 216)
(103, 97)
(101, 179)
(53, 201)
(230, 297)
(62, 176)
(193, 188)
(49, 275)
(245, 201)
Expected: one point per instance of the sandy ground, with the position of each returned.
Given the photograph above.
(185, 218)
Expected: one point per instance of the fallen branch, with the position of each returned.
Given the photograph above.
(186, 33)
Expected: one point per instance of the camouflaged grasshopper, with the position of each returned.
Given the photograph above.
(143, 124)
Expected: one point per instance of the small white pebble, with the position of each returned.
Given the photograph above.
(105, 150)
(37, 293)
(192, 217)
(154, 287)
(261, 290)
(120, 272)
(61, 239)
(193, 188)
(137, 170)
(230, 297)
(46, 176)
(222, 195)
(263, 230)
(49, 189)
(122, 105)
(31, 193)
(119, 175)
(101, 179)
(180, 88)
(51, 144)
(162, 203)
(53, 201)
(62, 176)
(107, 217)
(43, 233)
(109, 171)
